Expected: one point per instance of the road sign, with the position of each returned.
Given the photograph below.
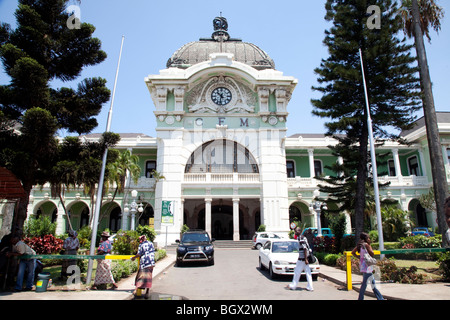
(167, 209)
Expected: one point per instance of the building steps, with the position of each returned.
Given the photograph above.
(230, 244)
(225, 244)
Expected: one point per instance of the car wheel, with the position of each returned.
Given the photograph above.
(261, 266)
(315, 276)
(179, 263)
(211, 262)
(258, 246)
(272, 274)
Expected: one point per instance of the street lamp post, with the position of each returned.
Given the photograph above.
(318, 206)
(134, 207)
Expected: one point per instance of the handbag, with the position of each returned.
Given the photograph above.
(370, 261)
(311, 258)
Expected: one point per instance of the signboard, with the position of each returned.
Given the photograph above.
(167, 210)
(151, 223)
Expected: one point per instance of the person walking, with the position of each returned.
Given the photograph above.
(362, 247)
(20, 248)
(302, 263)
(146, 253)
(447, 218)
(103, 275)
(71, 245)
(310, 237)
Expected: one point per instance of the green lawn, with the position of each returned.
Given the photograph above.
(429, 268)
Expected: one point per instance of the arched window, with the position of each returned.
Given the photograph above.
(115, 219)
(221, 156)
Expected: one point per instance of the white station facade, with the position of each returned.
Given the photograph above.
(223, 159)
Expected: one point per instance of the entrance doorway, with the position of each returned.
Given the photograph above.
(222, 226)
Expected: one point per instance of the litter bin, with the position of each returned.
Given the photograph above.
(42, 283)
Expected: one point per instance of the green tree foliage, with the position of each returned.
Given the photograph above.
(40, 50)
(418, 17)
(393, 93)
(39, 227)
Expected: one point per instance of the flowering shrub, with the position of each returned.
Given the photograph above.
(390, 272)
(47, 244)
(325, 244)
(444, 265)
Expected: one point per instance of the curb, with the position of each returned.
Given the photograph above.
(356, 288)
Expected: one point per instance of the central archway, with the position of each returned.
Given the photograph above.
(221, 156)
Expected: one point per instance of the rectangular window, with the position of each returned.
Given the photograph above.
(391, 168)
(317, 168)
(413, 165)
(149, 167)
(290, 169)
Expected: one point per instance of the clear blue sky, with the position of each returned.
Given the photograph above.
(290, 31)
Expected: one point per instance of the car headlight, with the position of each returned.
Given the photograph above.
(207, 248)
(282, 262)
(181, 249)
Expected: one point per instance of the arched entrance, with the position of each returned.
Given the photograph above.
(420, 213)
(146, 215)
(221, 221)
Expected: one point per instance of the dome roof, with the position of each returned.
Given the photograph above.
(199, 51)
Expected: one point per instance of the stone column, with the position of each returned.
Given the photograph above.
(311, 163)
(208, 216)
(236, 220)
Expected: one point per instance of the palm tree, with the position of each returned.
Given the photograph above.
(418, 16)
(118, 170)
(126, 165)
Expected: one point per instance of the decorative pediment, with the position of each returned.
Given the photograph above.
(221, 94)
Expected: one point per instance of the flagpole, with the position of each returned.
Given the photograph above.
(98, 202)
(374, 163)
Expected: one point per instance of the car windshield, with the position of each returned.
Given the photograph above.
(195, 237)
(285, 247)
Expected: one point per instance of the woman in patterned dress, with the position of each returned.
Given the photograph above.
(103, 274)
(146, 253)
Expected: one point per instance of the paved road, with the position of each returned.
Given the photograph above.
(236, 276)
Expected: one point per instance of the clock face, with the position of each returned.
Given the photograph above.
(221, 96)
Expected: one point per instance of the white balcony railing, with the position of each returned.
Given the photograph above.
(221, 177)
(300, 182)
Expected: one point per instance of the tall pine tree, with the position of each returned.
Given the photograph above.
(42, 49)
(393, 93)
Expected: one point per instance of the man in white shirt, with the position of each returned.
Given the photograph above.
(20, 249)
(302, 262)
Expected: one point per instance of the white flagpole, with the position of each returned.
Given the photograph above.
(98, 201)
(374, 162)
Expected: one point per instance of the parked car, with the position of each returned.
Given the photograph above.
(280, 256)
(326, 232)
(422, 231)
(260, 238)
(195, 245)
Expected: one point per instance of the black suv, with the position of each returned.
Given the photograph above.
(195, 245)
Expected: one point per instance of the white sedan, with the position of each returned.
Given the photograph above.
(280, 257)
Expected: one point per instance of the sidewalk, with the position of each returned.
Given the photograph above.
(390, 291)
(124, 292)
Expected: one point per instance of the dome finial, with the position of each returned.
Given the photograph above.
(220, 25)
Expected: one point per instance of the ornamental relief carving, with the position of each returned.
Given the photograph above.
(205, 97)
